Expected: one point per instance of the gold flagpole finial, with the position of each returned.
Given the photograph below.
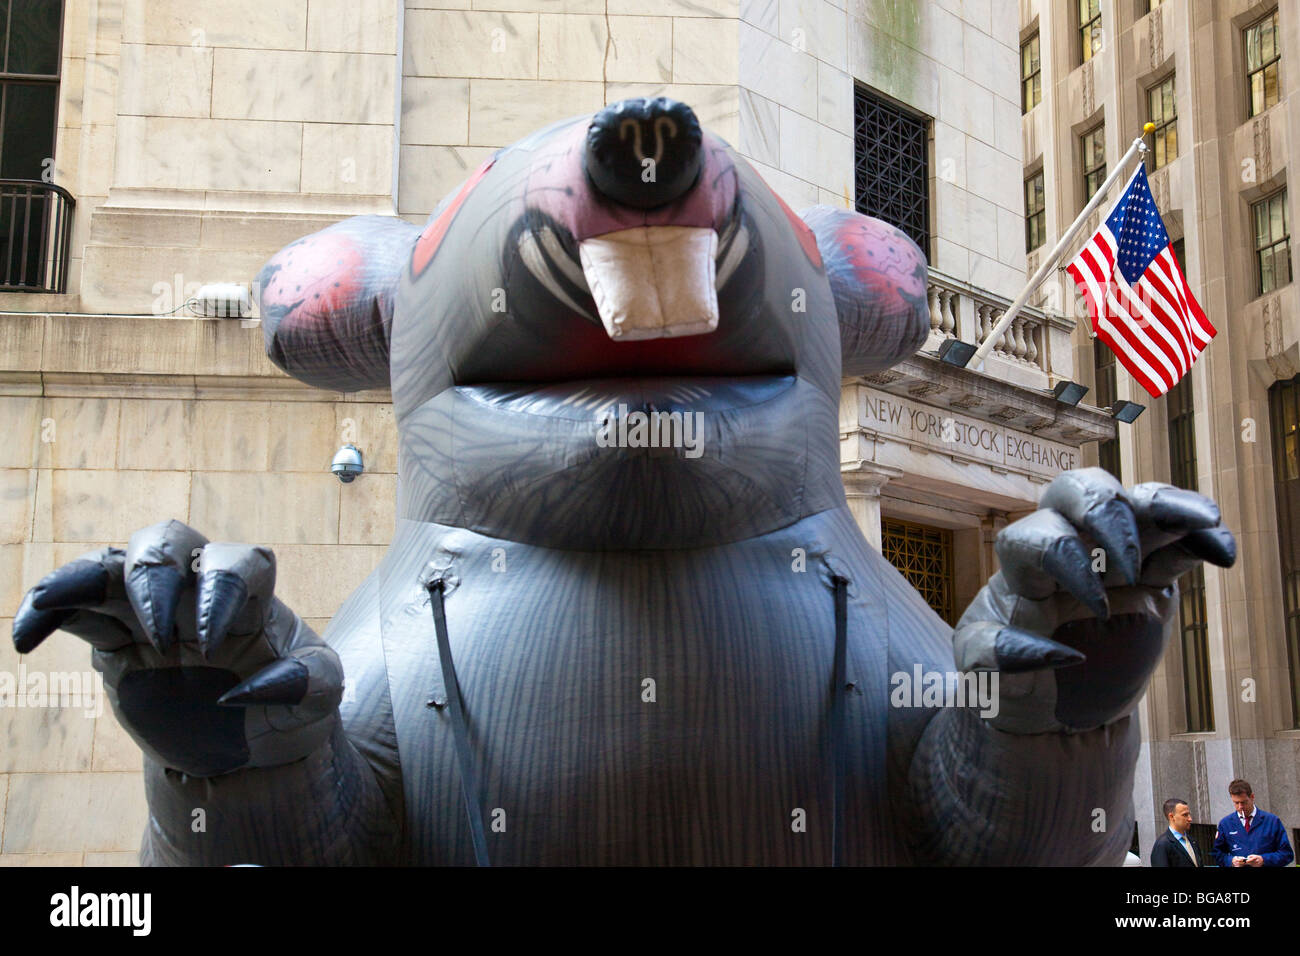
(1148, 129)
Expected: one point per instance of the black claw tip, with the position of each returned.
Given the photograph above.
(1115, 528)
(32, 626)
(1175, 509)
(1071, 566)
(282, 682)
(222, 595)
(79, 582)
(155, 593)
(1021, 651)
(1216, 545)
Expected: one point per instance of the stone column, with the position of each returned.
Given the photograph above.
(863, 481)
(990, 525)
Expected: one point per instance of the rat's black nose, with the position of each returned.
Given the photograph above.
(644, 152)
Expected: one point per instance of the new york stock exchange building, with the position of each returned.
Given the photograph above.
(179, 143)
(936, 460)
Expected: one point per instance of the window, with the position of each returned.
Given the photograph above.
(891, 174)
(1262, 55)
(35, 221)
(923, 555)
(1193, 626)
(1031, 75)
(1272, 242)
(1284, 422)
(1103, 360)
(1152, 4)
(1094, 161)
(1161, 109)
(1035, 213)
(29, 86)
(1090, 28)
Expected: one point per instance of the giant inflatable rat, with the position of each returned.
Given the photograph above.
(626, 616)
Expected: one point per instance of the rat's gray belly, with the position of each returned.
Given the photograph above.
(646, 707)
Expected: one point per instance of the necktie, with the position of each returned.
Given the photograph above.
(1247, 824)
(1183, 840)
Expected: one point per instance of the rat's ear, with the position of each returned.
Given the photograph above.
(878, 277)
(327, 302)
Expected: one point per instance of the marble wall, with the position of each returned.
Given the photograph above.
(952, 61)
(206, 431)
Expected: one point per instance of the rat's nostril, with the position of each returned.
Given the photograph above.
(644, 152)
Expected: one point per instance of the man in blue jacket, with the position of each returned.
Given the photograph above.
(1250, 836)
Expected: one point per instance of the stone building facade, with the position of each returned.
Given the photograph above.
(1220, 80)
(198, 138)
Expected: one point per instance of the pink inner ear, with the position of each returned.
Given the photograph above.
(322, 272)
(431, 238)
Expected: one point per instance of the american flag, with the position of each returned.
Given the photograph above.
(1137, 294)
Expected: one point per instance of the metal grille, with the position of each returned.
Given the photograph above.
(891, 165)
(1193, 624)
(35, 235)
(924, 556)
(1104, 362)
(1284, 421)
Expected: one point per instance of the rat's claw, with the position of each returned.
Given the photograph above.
(281, 682)
(991, 646)
(1092, 499)
(159, 566)
(312, 676)
(1042, 551)
(236, 588)
(80, 582)
(1172, 509)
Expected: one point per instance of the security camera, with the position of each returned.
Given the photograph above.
(347, 463)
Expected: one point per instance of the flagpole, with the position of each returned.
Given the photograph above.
(1139, 146)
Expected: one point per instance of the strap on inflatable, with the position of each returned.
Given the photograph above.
(464, 757)
(839, 688)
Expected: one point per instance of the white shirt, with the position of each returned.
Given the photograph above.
(1242, 817)
(1185, 843)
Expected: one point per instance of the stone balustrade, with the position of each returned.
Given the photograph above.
(1034, 349)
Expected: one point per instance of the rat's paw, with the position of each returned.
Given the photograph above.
(1075, 620)
(205, 668)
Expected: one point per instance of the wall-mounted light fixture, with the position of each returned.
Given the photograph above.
(1069, 393)
(956, 352)
(1126, 412)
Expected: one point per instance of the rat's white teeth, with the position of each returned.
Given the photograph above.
(653, 282)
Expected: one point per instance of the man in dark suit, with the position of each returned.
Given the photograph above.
(1175, 847)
